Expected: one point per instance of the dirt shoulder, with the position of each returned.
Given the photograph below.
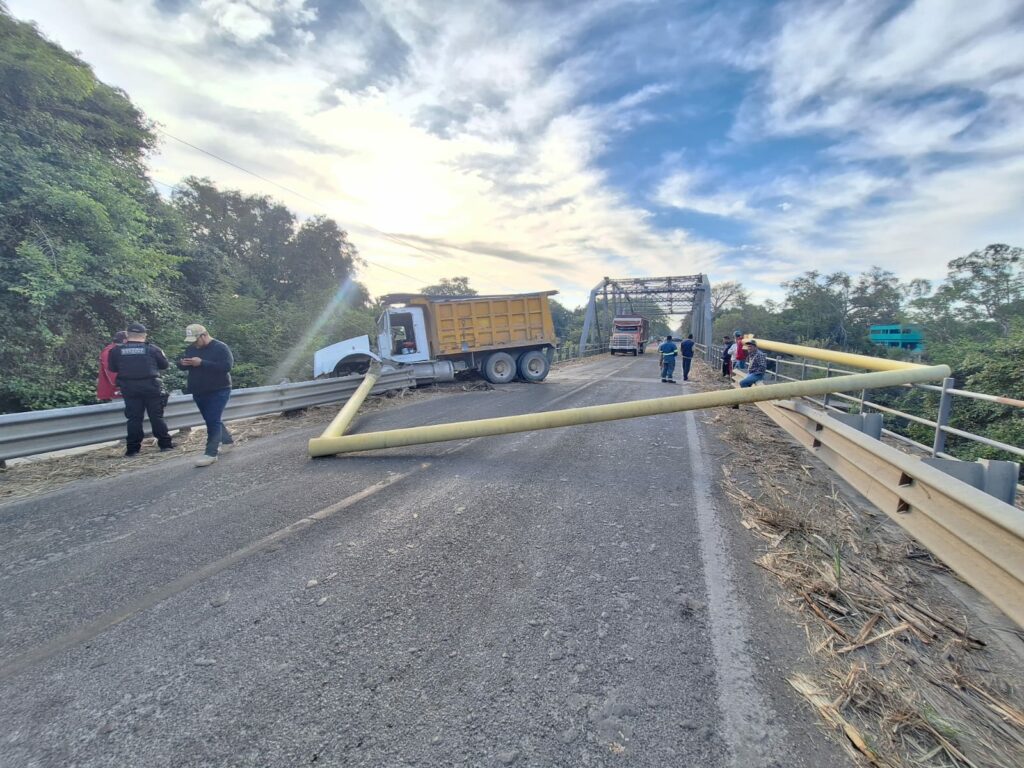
(910, 667)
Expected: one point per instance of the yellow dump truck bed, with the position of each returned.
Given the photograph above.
(478, 323)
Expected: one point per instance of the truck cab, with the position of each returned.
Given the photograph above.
(629, 335)
(402, 335)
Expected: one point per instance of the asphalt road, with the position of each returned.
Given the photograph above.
(572, 597)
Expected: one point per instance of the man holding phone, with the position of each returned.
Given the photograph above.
(208, 362)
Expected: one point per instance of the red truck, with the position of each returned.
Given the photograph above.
(629, 334)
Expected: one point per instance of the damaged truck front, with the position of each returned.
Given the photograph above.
(502, 337)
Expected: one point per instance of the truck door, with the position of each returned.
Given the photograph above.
(406, 340)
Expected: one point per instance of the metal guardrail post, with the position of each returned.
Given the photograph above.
(863, 397)
(942, 419)
(828, 375)
(803, 368)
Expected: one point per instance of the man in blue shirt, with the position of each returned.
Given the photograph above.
(668, 360)
(687, 356)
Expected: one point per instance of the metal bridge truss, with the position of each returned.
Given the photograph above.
(688, 295)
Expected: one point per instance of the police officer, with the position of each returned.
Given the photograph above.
(137, 364)
(668, 360)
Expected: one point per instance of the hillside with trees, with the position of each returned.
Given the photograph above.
(88, 246)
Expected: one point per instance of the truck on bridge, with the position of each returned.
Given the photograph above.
(502, 337)
(629, 335)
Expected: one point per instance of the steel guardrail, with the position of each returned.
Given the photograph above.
(940, 426)
(978, 536)
(57, 429)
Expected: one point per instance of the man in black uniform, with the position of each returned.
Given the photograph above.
(137, 364)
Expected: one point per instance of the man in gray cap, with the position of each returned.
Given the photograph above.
(137, 364)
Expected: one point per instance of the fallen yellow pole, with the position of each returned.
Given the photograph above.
(504, 425)
(841, 358)
(344, 418)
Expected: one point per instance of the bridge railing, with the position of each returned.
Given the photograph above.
(796, 368)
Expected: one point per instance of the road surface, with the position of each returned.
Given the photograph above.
(572, 597)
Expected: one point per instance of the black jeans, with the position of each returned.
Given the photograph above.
(138, 402)
(687, 362)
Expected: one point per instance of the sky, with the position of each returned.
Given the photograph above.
(538, 145)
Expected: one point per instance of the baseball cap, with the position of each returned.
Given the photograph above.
(120, 337)
(750, 343)
(737, 334)
(194, 331)
(136, 328)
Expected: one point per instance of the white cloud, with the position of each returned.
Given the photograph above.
(480, 137)
(680, 189)
(476, 130)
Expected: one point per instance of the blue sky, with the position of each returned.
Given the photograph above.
(536, 145)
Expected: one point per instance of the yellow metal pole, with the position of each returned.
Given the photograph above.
(327, 446)
(344, 418)
(842, 358)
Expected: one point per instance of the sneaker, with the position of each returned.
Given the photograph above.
(663, 381)
(671, 381)
(165, 448)
(205, 461)
(225, 447)
(130, 454)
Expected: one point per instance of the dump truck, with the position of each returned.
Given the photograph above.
(502, 337)
(629, 335)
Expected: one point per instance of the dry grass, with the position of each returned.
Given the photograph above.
(48, 474)
(907, 679)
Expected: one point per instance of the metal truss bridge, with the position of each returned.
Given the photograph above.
(688, 295)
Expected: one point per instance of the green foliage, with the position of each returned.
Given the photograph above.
(82, 245)
(449, 286)
(87, 246)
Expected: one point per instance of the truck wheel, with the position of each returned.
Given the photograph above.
(634, 353)
(533, 365)
(611, 352)
(500, 368)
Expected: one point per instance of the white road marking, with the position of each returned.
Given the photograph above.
(750, 728)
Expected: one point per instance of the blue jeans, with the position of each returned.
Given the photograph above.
(751, 379)
(741, 364)
(668, 367)
(211, 405)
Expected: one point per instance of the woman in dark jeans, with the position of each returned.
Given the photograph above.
(208, 362)
(726, 357)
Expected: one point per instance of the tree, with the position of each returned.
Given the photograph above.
(987, 285)
(449, 286)
(818, 307)
(728, 294)
(876, 299)
(86, 246)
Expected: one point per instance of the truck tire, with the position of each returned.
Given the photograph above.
(533, 366)
(634, 353)
(499, 368)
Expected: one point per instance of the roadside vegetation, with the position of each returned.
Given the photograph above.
(972, 321)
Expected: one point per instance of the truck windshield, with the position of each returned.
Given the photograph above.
(626, 328)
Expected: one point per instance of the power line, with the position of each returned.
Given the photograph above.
(378, 232)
